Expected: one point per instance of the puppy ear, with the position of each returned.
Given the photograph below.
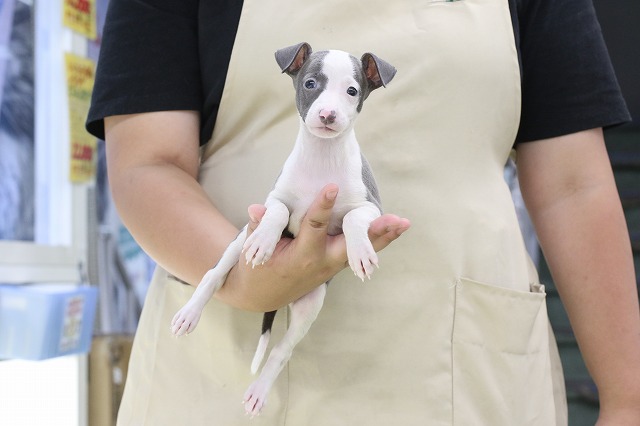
(378, 72)
(292, 58)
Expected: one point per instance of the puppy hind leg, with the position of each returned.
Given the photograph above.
(186, 319)
(304, 312)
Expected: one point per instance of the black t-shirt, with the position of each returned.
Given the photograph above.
(160, 55)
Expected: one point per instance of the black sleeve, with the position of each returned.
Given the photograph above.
(148, 60)
(568, 82)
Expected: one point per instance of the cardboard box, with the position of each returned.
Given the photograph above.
(39, 321)
(108, 365)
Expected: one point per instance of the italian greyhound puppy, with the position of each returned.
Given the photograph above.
(331, 87)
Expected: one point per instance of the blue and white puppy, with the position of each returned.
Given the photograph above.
(331, 87)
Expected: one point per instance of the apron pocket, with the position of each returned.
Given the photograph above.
(500, 357)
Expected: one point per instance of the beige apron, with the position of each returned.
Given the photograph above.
(452, 329)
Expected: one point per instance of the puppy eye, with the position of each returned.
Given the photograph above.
(310, 84)
(352, 91)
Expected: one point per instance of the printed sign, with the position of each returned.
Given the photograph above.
(80, 16)
(80, 75)
(72, 324)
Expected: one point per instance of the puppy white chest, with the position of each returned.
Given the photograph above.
(301, 181)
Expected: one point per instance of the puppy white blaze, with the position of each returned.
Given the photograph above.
(338, 67)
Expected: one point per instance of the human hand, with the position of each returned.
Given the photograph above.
(299, 265)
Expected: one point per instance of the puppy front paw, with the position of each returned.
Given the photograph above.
(186, 320)
(362, 258)
(260, 245)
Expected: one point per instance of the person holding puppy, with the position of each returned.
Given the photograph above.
(452, 329)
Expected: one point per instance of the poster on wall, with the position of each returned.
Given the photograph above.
(80, 16)
(80, 76)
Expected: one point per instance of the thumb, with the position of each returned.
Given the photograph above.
(256, 211)
(313, 229)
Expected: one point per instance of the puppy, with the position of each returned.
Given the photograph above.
(331, 87)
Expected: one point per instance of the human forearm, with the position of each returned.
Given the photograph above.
(152, 164)
(591, 263)
(172, 219)
(174, 222)
(569, 189)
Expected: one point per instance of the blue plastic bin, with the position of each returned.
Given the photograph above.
(39, 321)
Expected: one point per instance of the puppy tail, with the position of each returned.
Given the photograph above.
(267, 322)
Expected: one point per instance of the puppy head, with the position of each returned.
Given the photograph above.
(331, 85)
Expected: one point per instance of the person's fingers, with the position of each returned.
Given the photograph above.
(256, 211)
(313, 229)
(385, 229)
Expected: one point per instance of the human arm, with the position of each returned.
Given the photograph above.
(153, 161)
(568, 187)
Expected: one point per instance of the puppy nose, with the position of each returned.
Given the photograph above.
(327, 117)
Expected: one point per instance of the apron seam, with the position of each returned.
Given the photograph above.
(456, 286)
